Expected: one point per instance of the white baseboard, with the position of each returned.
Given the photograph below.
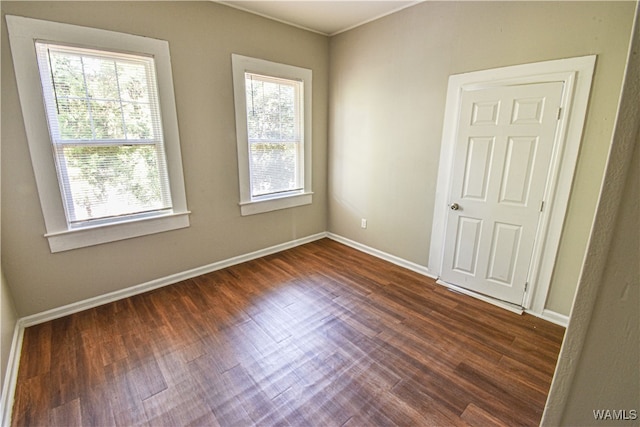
(382, 255)
(553, 317)
(75, 307)
(11, 375)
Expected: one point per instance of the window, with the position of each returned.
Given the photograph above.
(273, 128)
(100, 118)
(104, 122)
(273, 125)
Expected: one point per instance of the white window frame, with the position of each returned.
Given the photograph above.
(253, 205)
(23, 33)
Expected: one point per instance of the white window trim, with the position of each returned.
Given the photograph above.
(23, 32)
(241, 65)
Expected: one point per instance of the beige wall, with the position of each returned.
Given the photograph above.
(202, 36)
(387, 98)
(607, 368)
(598, 363)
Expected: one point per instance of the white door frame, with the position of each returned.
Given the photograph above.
(576, 74)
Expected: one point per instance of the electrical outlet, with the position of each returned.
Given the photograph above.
(363, 223)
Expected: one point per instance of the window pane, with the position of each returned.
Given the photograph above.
(107, 120)
(137, 120)
(100, 74)
(73, 119)
(68, 79)
(101, 96)
(112, 181)
(133, 82)
(273, 125)
(271, 109)
(273, 168)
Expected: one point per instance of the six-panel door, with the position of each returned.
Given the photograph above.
(504, 145)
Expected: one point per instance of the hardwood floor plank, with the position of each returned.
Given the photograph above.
(179, 405)
(123, 395)
(148, 379)
(436, 413)
(317, 335)
(456, 346)
(95, 408)
(274, 372)
(527, 374)
(491, 394)
(68, 414)
(206, 420)
(32, 403)
(37, 340)
(516, 387)
(63, 362)
(478, 417)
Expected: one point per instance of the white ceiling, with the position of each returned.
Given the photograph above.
(328, 17)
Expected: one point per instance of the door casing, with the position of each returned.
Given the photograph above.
(576, 74)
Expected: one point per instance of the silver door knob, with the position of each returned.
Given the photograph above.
(454, 206)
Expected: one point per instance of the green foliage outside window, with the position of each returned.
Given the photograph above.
(104, 118)
(274, 134)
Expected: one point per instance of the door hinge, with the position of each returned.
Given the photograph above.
(541, 205)
(559, 113)
(526, 285)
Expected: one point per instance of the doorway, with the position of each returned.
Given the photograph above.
(510, 143)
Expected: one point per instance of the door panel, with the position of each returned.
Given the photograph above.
(502, 153)
(485, 113)
(516, 178)
(476, 168)
(504, 248)
(466, 250)
(527, 111)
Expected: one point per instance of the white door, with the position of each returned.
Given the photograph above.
(504, 143)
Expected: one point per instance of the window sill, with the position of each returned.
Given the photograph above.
(90, 236)
(267, 205)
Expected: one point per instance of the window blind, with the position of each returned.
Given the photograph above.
(274, 128)
(106, 133)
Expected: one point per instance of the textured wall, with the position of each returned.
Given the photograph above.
(608, 364)
(598, 364)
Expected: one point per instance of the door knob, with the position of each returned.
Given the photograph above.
(454, 206)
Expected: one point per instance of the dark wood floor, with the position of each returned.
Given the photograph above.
(319, 335)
